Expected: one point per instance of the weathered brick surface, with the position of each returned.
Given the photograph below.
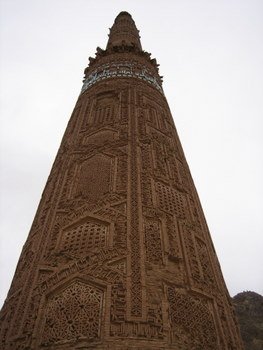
(119, 255)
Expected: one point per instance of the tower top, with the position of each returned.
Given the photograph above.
(123, 46)
(124, 32)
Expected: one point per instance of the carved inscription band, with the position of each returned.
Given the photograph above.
(121, 69)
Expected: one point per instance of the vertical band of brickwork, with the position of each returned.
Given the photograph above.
(136, 287)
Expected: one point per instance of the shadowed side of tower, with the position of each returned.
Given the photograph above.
(119, 255)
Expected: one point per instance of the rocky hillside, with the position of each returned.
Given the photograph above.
(249, 310)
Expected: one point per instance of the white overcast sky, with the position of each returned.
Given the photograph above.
(211, 56)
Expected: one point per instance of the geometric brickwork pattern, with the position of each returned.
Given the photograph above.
(83, 237)
(119, 255)
(73, 313)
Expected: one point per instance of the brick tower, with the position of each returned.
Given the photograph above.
(119, 255)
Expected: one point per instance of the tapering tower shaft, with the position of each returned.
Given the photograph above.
(119, 255)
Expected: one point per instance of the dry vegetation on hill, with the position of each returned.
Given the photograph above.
(249, 310)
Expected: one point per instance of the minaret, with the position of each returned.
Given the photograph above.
(119, 255)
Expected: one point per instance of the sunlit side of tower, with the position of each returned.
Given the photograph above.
(119, 255)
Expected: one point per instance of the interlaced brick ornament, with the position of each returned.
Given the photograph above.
(153, 243)
(83, 237)
(192, 318)
(90, 185)
(72, 313)
(171, 200)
